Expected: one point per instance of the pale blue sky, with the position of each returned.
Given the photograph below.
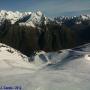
(49, 7)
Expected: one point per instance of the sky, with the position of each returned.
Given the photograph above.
(51, 8)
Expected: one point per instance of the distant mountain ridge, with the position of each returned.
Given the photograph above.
(26, 18)
(74, 19)
(35, 18)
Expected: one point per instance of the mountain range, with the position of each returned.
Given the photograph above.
(33, 31)
(35, 18)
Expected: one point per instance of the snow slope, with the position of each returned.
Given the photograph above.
(68, 70)
(12, 61)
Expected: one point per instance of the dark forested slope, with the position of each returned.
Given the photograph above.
(50, 37)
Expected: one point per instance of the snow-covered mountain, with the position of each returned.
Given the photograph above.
(74, 19)
(24, 18)
(36, 18)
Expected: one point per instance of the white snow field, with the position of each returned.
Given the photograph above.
(63, 70)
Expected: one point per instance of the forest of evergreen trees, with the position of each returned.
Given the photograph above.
(50, 37)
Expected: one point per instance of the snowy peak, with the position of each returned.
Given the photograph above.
(9, 15)
(85, 17)
(35, 19)
(12, 16)
(39, 13)
(24, 18)
(82, 17)
(74, 19)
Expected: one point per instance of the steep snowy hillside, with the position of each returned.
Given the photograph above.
(11, 58)
(68, 70)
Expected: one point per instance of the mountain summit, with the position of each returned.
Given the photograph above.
(35, 19)
(24, 18)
